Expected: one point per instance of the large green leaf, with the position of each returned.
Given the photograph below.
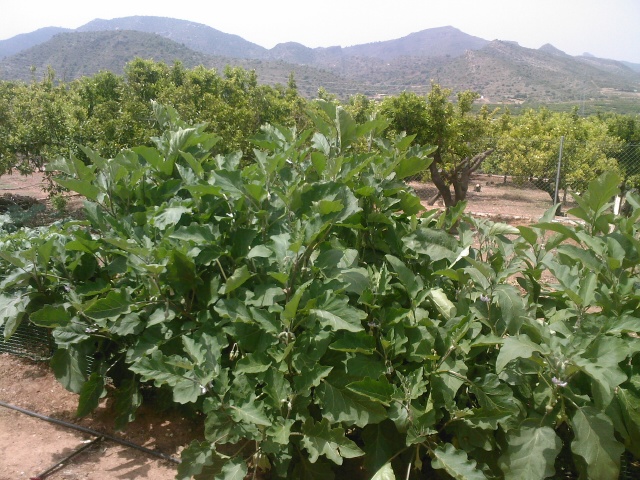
(181, 272)
(291, 308)
(346, 127)
(456, 463)
(251, 413)
(384, 473)
(496, 399)
(51, 316)
(340, 404)
(234, 469)
(153, 157)
(170, 217)
(236, 280)
(531, 453)
(601, 362)
(309, 378)
(382, 442)
(334, 311)
(380, 391)
(409, 280)
(320, 439)
(445, 386)
(12, 311)
(128, 324)
(127, 400)
(174, 371)
(90, 394)
(113, 305)
(629, 408)
(199, 458)
(595, 443)
(515, 347)
(437, 244)
(411, 166)
(305, 470)
(511, 306)
(82, 187)
(442, 303)
(230, 182)
(601, 190)
(71, 366)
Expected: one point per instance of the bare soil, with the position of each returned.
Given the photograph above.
(30, 446)
(498, 200)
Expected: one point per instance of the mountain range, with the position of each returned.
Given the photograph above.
(502, 72)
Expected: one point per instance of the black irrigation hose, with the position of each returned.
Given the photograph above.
(89, 431)
(49, 471)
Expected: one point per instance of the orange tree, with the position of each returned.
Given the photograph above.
(460, 135)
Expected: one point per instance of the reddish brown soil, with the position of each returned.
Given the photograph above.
(497, 200)
(30, 446)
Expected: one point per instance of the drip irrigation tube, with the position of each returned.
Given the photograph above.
(89, 431)
(59, 464)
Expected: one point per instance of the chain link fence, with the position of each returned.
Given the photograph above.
(522, 177)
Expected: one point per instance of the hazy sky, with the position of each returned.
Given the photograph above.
(605, 28)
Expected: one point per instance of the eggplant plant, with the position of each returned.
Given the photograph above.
(318, 317)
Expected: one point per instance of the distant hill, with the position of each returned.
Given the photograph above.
(195, 36)
(21, 42)
(633, 66)
(76, 54)
(434, 42)
(502, 72)
(548, 48)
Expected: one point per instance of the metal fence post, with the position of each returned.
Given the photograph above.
(556, 195)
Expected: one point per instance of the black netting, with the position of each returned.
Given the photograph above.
(28, 341)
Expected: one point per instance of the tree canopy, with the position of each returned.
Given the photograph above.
(462, 136)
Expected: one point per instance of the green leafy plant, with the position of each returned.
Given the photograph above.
(59, 203)
(318, 317)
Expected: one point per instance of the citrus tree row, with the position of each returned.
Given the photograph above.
(106, 112)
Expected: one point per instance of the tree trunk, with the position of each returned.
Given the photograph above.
(439, 182)
(461, 176)
(434, 199)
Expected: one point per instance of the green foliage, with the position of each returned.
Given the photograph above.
(36, 123)
(304, 302)
(528, 148)
(460, 135)
(43, 120)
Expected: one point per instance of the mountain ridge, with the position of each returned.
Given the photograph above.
(501, 71)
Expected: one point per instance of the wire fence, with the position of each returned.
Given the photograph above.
(526, 177)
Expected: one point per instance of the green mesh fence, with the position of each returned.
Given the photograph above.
(28, 341)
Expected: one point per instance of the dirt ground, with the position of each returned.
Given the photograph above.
(497, 200)
(30, 446)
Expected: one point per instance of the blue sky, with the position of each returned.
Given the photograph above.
(609, 29)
